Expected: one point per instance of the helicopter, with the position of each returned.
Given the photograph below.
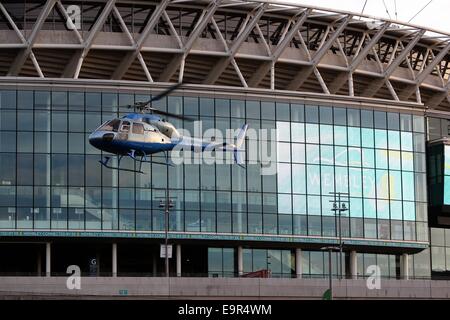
(139, 135)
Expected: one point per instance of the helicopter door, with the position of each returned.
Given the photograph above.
(137, 132)
(124, 130)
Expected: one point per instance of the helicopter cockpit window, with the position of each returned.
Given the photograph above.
(138, 128)
(125, 126)
(112, 125)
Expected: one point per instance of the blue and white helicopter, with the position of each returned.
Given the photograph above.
(138, 135)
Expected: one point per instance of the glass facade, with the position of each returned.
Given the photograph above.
(50, 178)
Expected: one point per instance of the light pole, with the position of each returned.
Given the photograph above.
(167, 203)
(340, 207)
(330, 273)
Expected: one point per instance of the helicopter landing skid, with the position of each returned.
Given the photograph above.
(106, 159)
(106, 165)
(143, 159)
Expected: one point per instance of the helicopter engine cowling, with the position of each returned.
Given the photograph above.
(166, 128)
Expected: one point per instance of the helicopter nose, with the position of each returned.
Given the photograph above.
(98, 139)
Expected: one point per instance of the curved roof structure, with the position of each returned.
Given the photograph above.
(249, 44)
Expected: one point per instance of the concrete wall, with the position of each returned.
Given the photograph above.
(219, 288)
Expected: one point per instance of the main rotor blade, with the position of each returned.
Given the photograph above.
(164, 93)
(172, 115)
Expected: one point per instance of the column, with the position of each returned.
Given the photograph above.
(404, 267)
(353, 265)
(298, 263)
(48, 259)
(114, 259)
(178, 260)
(240, 262)
(39, 262)
(155, 265)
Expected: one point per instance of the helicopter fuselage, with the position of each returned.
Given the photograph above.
(121, 136)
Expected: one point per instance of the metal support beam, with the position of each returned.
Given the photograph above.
(304, 73)
(437, 98)
(265, 67)
(22, 56)
(176, 61)
(340, 80)
(409, 90)
(128, 59)
(223, 63)
(74, 66)
(376, 85)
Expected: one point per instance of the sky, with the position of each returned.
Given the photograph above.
(435, 15)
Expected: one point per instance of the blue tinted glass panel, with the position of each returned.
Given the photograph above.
(409, 211)
(368, 158)
(298, 178)
(367, 138)
(380, 139)
(340, 116)
(407, 141)
(312, 133)
(340, 154)
(326, 115)
(297, 112)
(381, 158)
(284, 203)
(369, 185)
(314, 207)
(354, 136)
(298, 132)
(396, 210)
(380, 119)
(313, 175)
(283, 131)
(284, 178)
(356, 207)
(394, 140)
(382, 184)
(312, 114)
(382, 209)
(312, 154)
(327, 179)
(408, 186)
(299, 204)
(284, 152)
(341, 179)
(395, 185)
(326, 155)
(326, 134)
(355, 182)
(394, 160)
(370, 209)
(407, 161)
(340, 136)
(354, 157)
(298, 153)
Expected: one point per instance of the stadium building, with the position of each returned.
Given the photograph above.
(359, 105)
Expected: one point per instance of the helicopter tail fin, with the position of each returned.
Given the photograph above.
(238, 157)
